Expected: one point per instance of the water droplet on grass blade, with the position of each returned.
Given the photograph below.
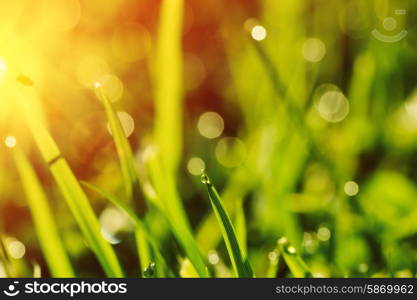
(286, 246)
(149, 271)
(205, 179)
(293, 260)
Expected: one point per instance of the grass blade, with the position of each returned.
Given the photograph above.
(174, 211)
(238, 257)
(208, 233)
(168, 83)
(45, 226)
(124, 152)
(273, 258)
(240, 224)
(129, 172)
(187, 269)
(144, 255)
(68, 184)
(145, 241)
(168, 126)
(293, 260)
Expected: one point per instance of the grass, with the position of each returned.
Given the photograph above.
(167, 75)
(127, 165)
(293, 260)
(163, 163)
(273, 257)
(46, 229)
(147, 243)
(169, 201)
(291, 183)
(68, 184)
(129, 174)
(237, 255)
(174, 212)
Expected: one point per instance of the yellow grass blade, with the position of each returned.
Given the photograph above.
(67, 183)
(45, 226)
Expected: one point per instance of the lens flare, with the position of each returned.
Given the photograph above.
(196, 166)
(3, 69)
(10, 142)
(258, 33)
(210, 125)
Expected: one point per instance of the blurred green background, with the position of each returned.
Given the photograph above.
(303, 113)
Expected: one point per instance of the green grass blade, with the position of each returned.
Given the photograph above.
(127, 163)
(143, 249)
(273, 258)
(168, 80)
(208, 233)
(68, 184)
(237, 255)
(45, 226)
(84, 214)
(144, 252)
(168, 83)
(115, 201)
(240, 224)
(187, 269)
(129, 172)
(144, 240)
(174, 211)
(293, 260)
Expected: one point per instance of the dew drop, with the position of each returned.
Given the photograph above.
(291, 250)
(149, 271)
(205, 179)
(286, 247)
